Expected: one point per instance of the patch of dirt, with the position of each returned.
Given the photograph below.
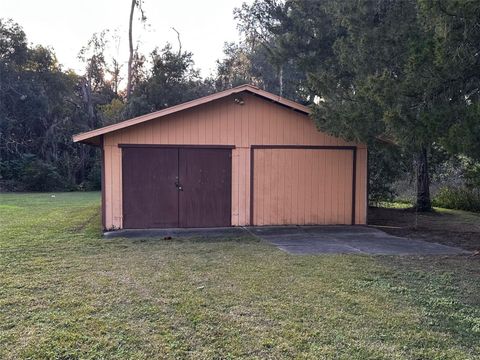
(453, 228)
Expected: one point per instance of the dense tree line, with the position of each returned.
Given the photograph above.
(42, 106)
(402, 76)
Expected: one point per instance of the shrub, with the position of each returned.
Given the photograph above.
(385, 165)
(39, 175)
(460, 198)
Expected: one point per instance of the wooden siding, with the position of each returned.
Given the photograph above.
(302, 186)
(223, 122)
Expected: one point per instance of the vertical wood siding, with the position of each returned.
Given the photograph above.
(223, 122)
(302, 186)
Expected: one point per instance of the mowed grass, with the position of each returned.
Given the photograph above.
(66, 293)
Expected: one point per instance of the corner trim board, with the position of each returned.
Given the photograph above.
(102, 164)
(354, 185)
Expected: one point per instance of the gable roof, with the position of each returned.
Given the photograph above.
(92, 137)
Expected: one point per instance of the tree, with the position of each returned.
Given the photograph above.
(41, 107)
(258, 36)
(375, 70)
(385, 72)
(272, 65)
(455, 29)
(171, 80)
(236, 67)
(136, 4)
(94, 85)
(247, 64)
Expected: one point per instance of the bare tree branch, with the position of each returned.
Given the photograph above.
(130, 45)
(179, 41)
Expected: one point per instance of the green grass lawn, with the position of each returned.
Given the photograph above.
(66, 293)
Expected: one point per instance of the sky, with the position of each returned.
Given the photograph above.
(67, 25)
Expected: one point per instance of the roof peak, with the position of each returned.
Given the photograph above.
(92, 136)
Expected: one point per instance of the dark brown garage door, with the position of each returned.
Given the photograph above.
(176, 187)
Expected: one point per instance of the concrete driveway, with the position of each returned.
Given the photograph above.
(303, 240)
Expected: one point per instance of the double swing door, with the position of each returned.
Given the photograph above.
(168, 187)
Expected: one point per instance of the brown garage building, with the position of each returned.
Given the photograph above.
(238, 157)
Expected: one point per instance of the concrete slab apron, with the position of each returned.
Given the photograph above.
(347, 240)
(178, 233)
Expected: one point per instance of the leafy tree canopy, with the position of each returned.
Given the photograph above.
(406, 69)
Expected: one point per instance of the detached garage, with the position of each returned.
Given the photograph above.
(238, 157)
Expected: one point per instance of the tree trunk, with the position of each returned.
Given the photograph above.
(179, 42)
(130, 44)
(87, 100)
(280, 80)
(423, 182)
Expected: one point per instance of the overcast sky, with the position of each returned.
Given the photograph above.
(66, 26)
